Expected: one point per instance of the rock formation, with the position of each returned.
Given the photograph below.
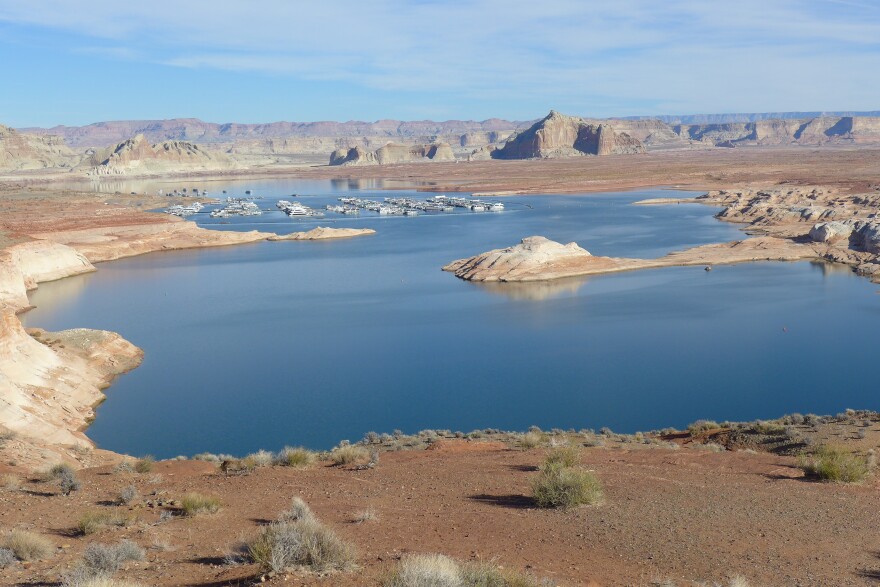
(540, 259)
(322, 232)
(393, 153)
(136, 156)
(558, 135)
(21, 152)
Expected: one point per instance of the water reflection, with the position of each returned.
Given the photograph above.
(828, 269)
(534, 290)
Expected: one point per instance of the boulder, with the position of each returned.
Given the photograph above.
(829, 232)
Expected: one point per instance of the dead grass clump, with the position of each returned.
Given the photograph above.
(144, 465)
(10, 482)
(99, 582)
(769, 428)
(27, 546)
(304, 543)
(101, 561)
(95, 521)
(701, 426)
(7, 557)
(261, 458)
(299, 510)
(194, 504)
(367, 515)
(349, 454)
(437, 570)
(564, 487)
(565, 456)
(532, 439)
(295, 457)
(128, 495)
(106, 559)
(830, 463)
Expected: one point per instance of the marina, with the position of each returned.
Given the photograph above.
(347, 206)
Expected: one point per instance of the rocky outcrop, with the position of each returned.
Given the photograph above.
(558, 135)
(22, 152)
(136, 156)
(830, 232)
(24, 265)
(393, 153)
(49, 383)
(536, 257)
(540, 259)
(322, 232)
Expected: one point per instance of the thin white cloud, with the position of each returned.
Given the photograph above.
(672, 54)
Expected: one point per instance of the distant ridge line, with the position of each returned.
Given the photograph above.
(746, 117)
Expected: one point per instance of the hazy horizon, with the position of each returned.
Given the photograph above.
(768, 115)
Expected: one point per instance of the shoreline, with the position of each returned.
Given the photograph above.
(77, 365)
(115, 242)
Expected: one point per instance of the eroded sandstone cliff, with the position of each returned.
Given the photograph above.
(558, 135)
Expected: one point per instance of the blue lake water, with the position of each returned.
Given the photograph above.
(268, 344)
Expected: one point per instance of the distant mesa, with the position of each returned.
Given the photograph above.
(23, 152)
(138, 156)
(558, 135)
(393, 153)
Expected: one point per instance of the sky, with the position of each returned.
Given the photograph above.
(256, 61)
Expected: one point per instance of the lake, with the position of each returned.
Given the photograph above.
(275, 343)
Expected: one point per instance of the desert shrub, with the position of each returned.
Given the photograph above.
(701, 426)
(106, 559)
(261, 458)
(7, 557)
(94, 521)
(831, 463)
(68, 482)
(795, 419)
(124, 467)
(303, 543)
(768, 428)
(27, 546)
(10, 481)
(128, 495)
(367, 515)
(532, 439)
(298, 510)
(237, 466)
(207, 457)
(371, 438)
(98, 582)
(144, 465)
(295, 457)
(436, 570)
(348, 454)
(193, 504)
(58, 471)
(64, 475)
(562, 487)
(565, 456)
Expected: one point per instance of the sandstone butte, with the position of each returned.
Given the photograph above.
(790, 224)
(50, 382)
